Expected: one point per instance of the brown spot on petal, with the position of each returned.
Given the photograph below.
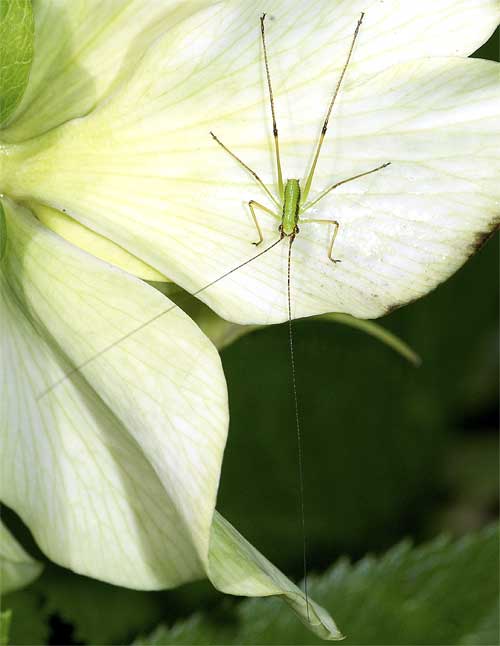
(482, 237)
(396, 306)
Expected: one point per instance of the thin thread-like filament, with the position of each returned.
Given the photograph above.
(297, 425)
(307, 186)
(140, 327)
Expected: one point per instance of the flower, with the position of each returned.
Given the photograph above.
(162, 189)
(116, 470)
(114, 467)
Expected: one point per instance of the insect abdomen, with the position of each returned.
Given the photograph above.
(291, 203)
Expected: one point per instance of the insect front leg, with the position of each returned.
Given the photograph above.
(336, 226)
(253, 204)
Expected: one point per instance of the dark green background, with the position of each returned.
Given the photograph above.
(390, 451)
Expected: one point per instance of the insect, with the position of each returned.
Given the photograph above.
(291, 203)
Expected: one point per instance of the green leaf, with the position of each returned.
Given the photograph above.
(5, 618)
(444, 592)
(3, 232)
(16, 53)
(488, 630)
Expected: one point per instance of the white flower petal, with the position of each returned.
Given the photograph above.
(116, 470)
(83, 49)
(236, 567)
(17, 568)
(93, 243)
(144, 172)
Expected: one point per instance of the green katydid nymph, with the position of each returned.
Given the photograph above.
(291, 201)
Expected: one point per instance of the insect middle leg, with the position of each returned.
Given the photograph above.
(334, 234)
(253, 205)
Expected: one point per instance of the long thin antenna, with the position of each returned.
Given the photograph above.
(148, 322)
(271, 98)
(307, 186)
(297, 424)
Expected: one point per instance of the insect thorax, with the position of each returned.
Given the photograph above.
(291, 202)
